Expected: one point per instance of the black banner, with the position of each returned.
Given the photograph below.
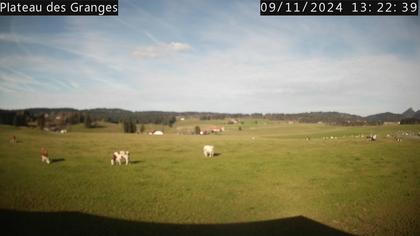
(58, 7)
(338, 7)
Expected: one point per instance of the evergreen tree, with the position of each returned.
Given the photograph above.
(129, 126)
(142, 128)
(19, 120)
(41, 121)
(133, 126)
(172, 121)
(15, 121)
(88, 121)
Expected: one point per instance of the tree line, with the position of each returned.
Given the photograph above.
(90, 117)
(59, 118)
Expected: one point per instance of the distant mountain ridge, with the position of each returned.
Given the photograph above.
(392, 117)
(385, 117)
(417, 114)
(409, 113)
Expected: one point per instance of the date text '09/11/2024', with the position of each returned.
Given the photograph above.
(370, 7)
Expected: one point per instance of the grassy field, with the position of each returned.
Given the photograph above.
(266, 173)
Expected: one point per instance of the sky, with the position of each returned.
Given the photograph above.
(218, 56)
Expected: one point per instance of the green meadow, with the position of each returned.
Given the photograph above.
(263, 173)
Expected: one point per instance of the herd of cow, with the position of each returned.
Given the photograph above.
(117, 157)
(208, 150)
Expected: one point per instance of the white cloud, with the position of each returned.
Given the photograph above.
(161, 50)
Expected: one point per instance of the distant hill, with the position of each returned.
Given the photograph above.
(314, 117)
(409, 113)
(417, 114)
(115, 115)
(37, 111)
(393, 117)
(385, 117)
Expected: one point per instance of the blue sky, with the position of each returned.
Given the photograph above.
(216, 56)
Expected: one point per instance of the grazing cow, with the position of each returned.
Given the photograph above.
(373, 137)
(117, 156)
(217, 130)
(63, 131)
(13, 139)
(208, 151)
(44, 156)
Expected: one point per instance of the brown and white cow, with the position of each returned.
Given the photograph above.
(44, 156)
(118, 156)
(13, 139)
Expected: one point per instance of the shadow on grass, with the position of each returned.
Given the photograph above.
(75, 223)
(216, 154)
(57, 160)
(135, 162)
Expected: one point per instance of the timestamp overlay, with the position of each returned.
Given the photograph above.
(339, 8)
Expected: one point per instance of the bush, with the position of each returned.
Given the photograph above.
(197, 130)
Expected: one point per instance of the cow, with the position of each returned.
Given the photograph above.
(371, 137)
(208, 150)
(117, 156)
(13, 139)
(44, 156)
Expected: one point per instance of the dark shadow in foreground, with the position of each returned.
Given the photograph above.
(216, 154)
(75, 223)
(57, 160)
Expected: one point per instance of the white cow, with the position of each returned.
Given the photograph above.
(208, 150)
(117, 156)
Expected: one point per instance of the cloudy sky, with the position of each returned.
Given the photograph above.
(216, 56)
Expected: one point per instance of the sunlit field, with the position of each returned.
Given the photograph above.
(267, 171)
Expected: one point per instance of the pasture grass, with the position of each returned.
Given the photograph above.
(266, 171)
